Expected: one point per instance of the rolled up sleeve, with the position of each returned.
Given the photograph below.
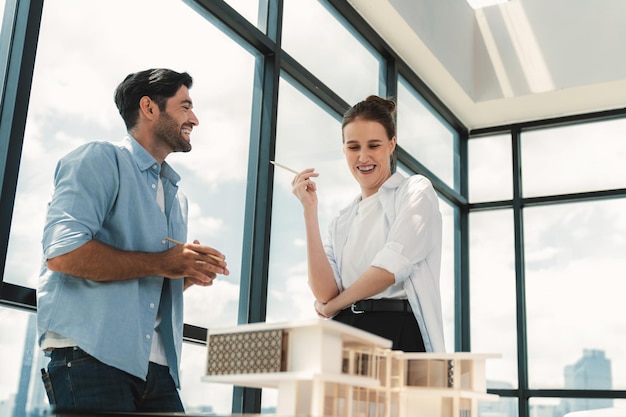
(81, 200)
(391, 259)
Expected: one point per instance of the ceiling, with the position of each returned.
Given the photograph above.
(514, 62)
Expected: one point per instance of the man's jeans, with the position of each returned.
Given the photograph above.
(78, 381)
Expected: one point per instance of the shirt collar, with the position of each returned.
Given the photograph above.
(145, 161)
(392, 182)
(389, 185)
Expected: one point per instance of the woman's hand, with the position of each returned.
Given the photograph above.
(304, 188)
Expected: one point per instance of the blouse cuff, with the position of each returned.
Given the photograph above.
(391, 259)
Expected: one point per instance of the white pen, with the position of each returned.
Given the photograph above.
(284, 167)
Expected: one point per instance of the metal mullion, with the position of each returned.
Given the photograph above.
(18, 296)
(430, 97)
(312, 86)
(552, 199)
(258, 210)
(577, 393)
(20, 44)
(520, 282)
(491, 205)
(375, 41)
(227, 19)
(575, 197)
(462, 316)
(553, 122)
(389, 77)
(453, 196)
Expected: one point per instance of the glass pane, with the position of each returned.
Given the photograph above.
(490, 173)
(563, 406)
(572, 159)
(248, 9)
(320, 148)
(289, 296)
(492, 294)
(2, 9)
(21, 390)
(269, 400)
(67, 68)
(317, 38)
(423, 134)
(503, 407)
(574, 290)
(202, 398)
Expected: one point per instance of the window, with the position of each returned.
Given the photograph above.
(249, 9)
(490, 169)
(21, 389)
(492, 294)
(574, 283)
(423, 134)
(567, 257)
(561, 237)
(300, 146)
(317, 37)
(72, 103)
(576, 158)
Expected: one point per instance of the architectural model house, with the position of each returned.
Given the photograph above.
(323, 368)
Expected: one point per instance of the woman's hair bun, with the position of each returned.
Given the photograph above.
(390, 105)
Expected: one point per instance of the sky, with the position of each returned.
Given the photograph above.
(574, 252)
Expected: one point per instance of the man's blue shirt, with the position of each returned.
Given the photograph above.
(107, 192)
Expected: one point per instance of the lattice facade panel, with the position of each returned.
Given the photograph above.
(247, 352)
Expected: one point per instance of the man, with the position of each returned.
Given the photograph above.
(110, 297)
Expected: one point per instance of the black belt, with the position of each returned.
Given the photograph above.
(383, 304)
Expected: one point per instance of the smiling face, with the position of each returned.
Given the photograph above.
(368, 151)
(175, 123)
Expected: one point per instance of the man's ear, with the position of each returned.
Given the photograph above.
(148, 108)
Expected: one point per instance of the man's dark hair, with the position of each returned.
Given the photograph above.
(157, 83)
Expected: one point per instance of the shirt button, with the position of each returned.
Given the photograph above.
(154, 166)
(153, 185)
(151, 305)
(163, 242)
(148, 336)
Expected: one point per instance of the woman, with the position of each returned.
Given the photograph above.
(378, 269)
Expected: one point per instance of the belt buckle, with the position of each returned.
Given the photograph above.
(354, 310)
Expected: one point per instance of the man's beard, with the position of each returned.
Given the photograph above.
(168, 132)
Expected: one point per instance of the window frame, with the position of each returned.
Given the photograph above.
(18, 47)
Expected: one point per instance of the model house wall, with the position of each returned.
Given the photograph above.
(323, 368)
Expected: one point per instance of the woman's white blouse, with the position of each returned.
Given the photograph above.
(411, 249)
(367, 235)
